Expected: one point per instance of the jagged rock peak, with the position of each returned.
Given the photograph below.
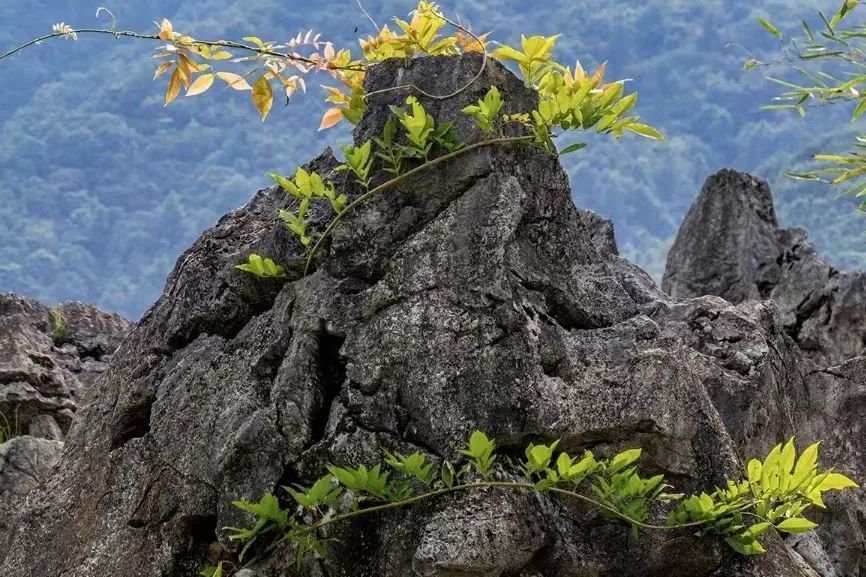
(730, 245)
(475, 295)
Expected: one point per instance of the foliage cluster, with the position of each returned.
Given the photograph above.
(569, 100)
(832, 60)
(774, 494)
(58, 327)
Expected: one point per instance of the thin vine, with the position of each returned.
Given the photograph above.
(774, 494)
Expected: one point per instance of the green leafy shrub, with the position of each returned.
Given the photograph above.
(262, 267)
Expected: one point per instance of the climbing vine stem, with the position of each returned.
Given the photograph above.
(773, 494)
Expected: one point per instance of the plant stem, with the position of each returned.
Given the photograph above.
(507, 485)
(140, 36)
(398, 179)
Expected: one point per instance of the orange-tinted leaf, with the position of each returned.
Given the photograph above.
(263, 97)
(599, 72)
(173, 86)
(331, 117)
(162, 69)
(236, 81)
(201, 84)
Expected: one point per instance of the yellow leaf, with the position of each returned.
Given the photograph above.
(173, 86)
(221, 55)
(236, 81)
(187, 66)
(331, 117)
(836, 481)
(162, 69)
(263, 97)
(166, 32)
(201, 84)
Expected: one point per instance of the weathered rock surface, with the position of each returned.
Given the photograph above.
(730, 245)
(48, 364)
(24, 462)
(474, 296)
(46, 371)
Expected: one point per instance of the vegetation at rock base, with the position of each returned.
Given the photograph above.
(774, 494)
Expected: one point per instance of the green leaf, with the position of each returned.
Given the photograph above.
(802, 176)
(644, 130)
(770, 28)
(572, 148)
(796, 525)
(757, 529)
(745, 545)
(448, 474)
(836, 481)
(623, 460)
(212, 570)
(860, 109)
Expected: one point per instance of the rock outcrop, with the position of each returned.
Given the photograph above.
(476, 295)
(730, 245)
(49, 360)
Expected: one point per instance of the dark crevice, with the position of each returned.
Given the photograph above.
(199, 550)
(228, 326)
(331, 376)
(808, 308)
(133, 423)
(561, 309)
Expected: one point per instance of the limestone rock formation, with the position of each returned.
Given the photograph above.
(49, 359)
(475, 295)
(730, 245)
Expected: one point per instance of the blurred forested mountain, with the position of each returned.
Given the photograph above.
(101, 187)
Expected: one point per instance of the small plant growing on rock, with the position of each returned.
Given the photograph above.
(58, 328)
(774, 494)
(9, 430)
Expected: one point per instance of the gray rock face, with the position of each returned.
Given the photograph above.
(45, 374)
(24, 462)
(731, 246)
(476, 295)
